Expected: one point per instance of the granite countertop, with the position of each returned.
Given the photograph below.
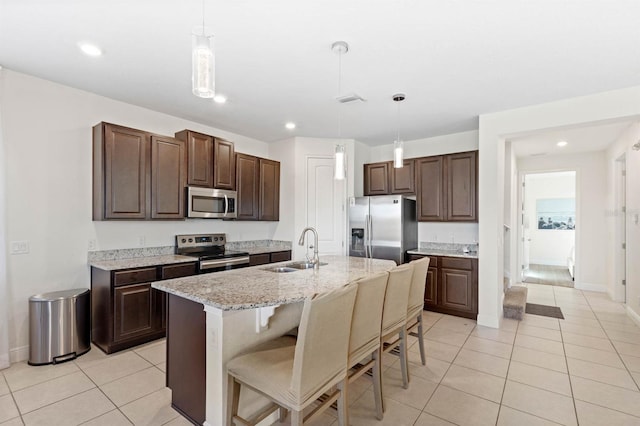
(265, 249)
(446, 253)
(255, 287)
(141, 262)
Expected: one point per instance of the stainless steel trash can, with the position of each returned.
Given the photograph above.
(59, 326)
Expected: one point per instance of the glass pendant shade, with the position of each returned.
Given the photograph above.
(339, 166)
(202, 63)
(398, 154)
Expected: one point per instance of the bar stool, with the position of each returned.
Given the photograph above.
(394, 316)
(364, 343)
(416, 302)
(294, 376)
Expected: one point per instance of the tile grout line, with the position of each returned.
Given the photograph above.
(506, 377)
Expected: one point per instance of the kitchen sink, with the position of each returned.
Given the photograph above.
(281, 269)
(302, 265)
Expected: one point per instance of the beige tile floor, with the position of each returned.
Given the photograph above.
(540, 371)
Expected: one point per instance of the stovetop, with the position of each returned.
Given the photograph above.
(205, 246)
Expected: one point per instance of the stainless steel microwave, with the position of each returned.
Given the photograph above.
(211, 203)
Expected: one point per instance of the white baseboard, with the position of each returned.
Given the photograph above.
(550, 262)
(4, 361)
(633, 315)
(489, 321)
(19, 354)
(591, 287)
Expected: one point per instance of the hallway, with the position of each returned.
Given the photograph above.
(548, 275)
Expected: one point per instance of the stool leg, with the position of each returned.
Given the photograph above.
(377, 383)
(423, 355)
(296, 418)
(404, 365)
(233, 399)
(283, 414)
(343, 403)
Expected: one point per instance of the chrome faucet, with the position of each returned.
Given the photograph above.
(316, 259)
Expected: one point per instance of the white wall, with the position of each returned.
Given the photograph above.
(47, 133)
(457, 142)
(494, 129)
(623, 147)
(548, 247)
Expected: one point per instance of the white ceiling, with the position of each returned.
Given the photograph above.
(596, 137)
(455, 59)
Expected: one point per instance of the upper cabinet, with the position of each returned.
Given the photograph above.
(447, 188)
(384, 179)
(376, 179)
(137, 175)
(258, 186)
(211, 161)
(445, 185)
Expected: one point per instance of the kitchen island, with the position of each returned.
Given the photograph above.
(214, 317)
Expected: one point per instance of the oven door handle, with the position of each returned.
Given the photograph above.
(226, 205)
(208, 264)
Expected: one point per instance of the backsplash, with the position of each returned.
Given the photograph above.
(457, 247)
(119, 254)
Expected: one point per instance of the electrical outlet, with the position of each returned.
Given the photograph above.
(141, 241)
(92, 245)
(19, 247)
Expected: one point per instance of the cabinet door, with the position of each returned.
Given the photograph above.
(269, 189)
(199, 157)
(431, 288)
(168, 177)
(133, 314)
(159, 310)
(280, 256)
(247, 169)
(429, 198)
(259, 259)
(224, 170)
(461, 177)
(126, 173)
(403, 180)
(457, 290)
(376, 179)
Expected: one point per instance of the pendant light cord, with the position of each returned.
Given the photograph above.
(398, 122)
(203, 34)
(339, 92)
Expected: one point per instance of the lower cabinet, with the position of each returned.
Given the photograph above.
(273, 257)
(452, 285)
(125, 310)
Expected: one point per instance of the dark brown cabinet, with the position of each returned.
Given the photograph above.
(447, 188)
(211, 161)
(247, 186)
(451, 285)
(461, 187)
(403, 179)
(121, 172)
(269, 190)
(168, 177)
(125, 310)
(273, 257)
(136, 174)
(376, 178)
(258, 187)
(429, 200)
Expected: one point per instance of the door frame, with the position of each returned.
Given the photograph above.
(620, 254)
(577, 276)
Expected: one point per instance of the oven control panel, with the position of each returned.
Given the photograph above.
(200, 240)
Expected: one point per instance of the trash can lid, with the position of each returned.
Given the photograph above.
(58, 295)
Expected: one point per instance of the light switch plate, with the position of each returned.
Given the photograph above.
(19, 247)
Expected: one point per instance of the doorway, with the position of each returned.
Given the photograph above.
(548, 223)
(621, 229)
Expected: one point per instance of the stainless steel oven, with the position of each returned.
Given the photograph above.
(211, 252)
(210, 203)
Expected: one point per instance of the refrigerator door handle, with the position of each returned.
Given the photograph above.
(366, 236)
(370, 236)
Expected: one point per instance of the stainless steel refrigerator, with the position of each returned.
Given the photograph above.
(382, 227)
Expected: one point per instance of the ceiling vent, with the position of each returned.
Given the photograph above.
(351, 97)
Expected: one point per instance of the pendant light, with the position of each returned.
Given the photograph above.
(340, 48)
(398, 145)
(202, 61)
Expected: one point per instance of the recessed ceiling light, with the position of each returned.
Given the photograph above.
(220, 99)
(290, 125)
(562, 144)
(90, 49)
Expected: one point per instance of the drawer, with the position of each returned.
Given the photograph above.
(433, 260)
(177, 271)
(456, 263)
(134, 276)
(280, 256)
(259, 259)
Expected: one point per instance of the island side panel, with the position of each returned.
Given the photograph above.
(186, 357)
(232, 333)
